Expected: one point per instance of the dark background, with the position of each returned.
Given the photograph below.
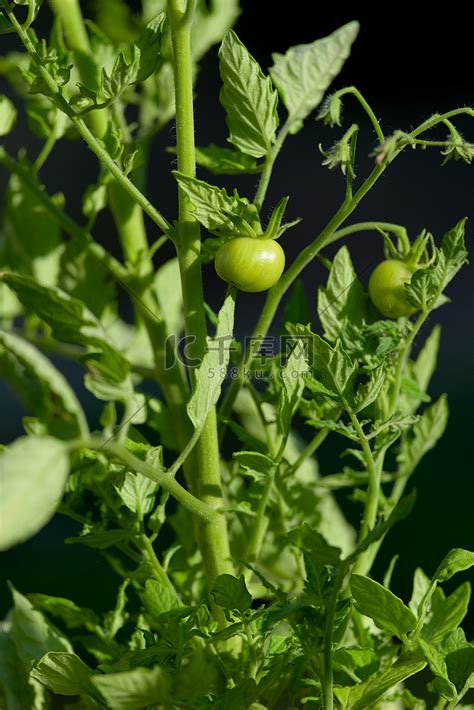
(408, 68)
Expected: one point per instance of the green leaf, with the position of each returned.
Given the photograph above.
(15, 691)
(8, 115)
(211, 373)
(304, 73)
(456, 560)
(294, 381)
(312, 541)
(225, 161)
(333, 364)
(167, 287)
(73, 616)
(381, 605)
(460, 667)
(421, 584)
(149, 45)
(159, 599)
(231, 593)
(248, 98)
(427, 285)
(70, 322)
(43, 387)
(217, 211)
(446, 613)
(101, 540)
(254, 461)
(424, 436)
(33, 240)
(212, 21)
(83, 277)
(138, 493)
(134, 689)
(32, 634)
(367, 694)
(64, 674)
(369, 391)
(438, 666)
(343, 299)
(33, 475)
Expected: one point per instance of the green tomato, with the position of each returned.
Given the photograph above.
(387, 288)
(250, 264)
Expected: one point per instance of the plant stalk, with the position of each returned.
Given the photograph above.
(212, 537)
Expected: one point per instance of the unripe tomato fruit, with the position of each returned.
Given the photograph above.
(250, 264)
(387, 288)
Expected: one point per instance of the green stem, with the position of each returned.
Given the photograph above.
(168, 483)
(367, 108)
(373, 488)
(160, 573)
(94, 144)
(269, 163)
(212, 536)
(47, 147)
(327, 681)
(309, 450)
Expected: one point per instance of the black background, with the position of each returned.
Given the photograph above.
(408, 65)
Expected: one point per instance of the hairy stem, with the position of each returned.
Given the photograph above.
(212, 537)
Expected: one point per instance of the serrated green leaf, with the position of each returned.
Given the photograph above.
(368, 693)
(333, 364)
(446, 613)
(425, 434)
(70, 322)
(134, 689)
(42, 386)
(438, 666)
(312, 541)
(231, 593)
(254, 461)
(220, 213)
(211, 373)
(64, 674)
(149, 45)
(306, 71)
(73, 616)
(427, 285)
(248, 98)
(159, 599)
(369, 391)
(225, 161)
(32, 634)
(33, 243)
(138, 493)
(343, 299)
(15, 690)
(33, 475)
(381, 605)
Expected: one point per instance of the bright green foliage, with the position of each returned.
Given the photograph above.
(240, 582)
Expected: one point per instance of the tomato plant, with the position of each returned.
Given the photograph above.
(240, 581)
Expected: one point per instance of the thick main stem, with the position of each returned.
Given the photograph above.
(212, 537)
